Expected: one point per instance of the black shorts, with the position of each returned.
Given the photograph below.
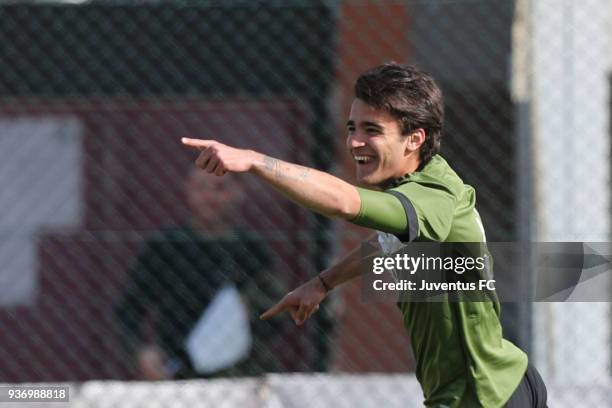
(530, 393)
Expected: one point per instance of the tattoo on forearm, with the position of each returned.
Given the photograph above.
(274, 166)
(303, 173)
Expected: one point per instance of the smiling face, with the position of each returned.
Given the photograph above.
(376, 144)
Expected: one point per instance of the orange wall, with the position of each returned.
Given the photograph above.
(369, 336)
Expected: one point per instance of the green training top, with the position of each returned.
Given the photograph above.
(462, 358)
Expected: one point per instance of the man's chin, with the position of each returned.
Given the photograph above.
(367, 181)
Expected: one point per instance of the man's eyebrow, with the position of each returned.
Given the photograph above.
(365, 124)
(373, 124)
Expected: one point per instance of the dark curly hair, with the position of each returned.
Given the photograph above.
(410, 95)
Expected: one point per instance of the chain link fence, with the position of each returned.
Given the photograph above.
(112, 247)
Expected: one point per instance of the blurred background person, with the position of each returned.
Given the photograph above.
(179, 272)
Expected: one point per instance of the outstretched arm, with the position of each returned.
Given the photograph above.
(302, 302)
(321, 192)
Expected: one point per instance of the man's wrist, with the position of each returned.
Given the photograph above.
(324, 283)
(258, 161)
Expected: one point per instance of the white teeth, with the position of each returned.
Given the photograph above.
(363, 159)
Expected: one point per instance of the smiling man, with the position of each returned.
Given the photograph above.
(406, 192)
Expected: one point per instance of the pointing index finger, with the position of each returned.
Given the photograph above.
(200, 144)
(274, 310)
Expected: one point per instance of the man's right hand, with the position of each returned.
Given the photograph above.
(301, 303)
(151, 363)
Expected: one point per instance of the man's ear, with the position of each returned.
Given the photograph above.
(415, 139)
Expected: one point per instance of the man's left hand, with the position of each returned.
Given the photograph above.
(301, 303)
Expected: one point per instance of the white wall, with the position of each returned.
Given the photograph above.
(40, 175)
(569, 97)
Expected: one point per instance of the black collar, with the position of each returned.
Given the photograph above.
(399, 181)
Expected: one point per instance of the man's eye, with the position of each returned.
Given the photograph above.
(350, 129)
(372, 131)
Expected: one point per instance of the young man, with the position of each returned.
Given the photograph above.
(407, 192)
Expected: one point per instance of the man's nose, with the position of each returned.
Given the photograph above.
(356, 140)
